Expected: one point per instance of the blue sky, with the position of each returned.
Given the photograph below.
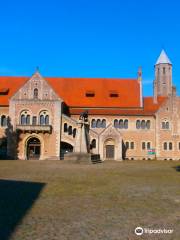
(89, 38)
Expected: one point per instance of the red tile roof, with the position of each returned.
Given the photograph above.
(73, 92)
(149, 109)
(13, 84)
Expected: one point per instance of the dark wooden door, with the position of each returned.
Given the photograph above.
(109, 151)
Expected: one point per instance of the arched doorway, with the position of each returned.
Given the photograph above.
(65, 148)
(109, 149)
(33, 149)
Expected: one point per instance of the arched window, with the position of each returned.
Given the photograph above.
(121, 124)
(25, 118)
(47, 120)
(70, 130)
(116, 123)
(143, 124)
(74, 132)
(65, 127)
(98, 123)
(170, 145)
(138, 124)
(28, 119)
(132, 145)
(93, 123)
(165, 145)
(143, 145)
(148, 124)
(148, 145)
(93, 143)
(165, 124)
(35, 93)
(126, 124)
(103, 123)
(42, 120)
(3, 121)
(44, 117)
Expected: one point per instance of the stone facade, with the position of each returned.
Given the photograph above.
(38, 127)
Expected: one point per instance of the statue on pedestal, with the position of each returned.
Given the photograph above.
(82, 142)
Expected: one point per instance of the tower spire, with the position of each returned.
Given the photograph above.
(163, 76)
(163, 58)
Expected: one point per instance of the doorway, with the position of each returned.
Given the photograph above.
(109, 150)
(33, 149)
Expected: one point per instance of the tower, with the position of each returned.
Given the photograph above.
(163, 76)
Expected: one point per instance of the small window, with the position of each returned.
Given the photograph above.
(3, 121)
(163, 125)
(70, 130)
(35, 93)
(148, 124)
(121, 124)
(126, 124)
(42, 120)
(28, 119)
(148, 145)
(143, 145)
(138, 124)
(143, 124)
(47, 120)
(167, 125)
(165, 146)
(90, 94)
(132, 145)
(65, 127)
(74, 132)
(23, 119)
(170, 145)
(93, 123)
(103, 123)
(164, 70)
(114, 95)
(116, 123)
(179, 145)
(98, 123)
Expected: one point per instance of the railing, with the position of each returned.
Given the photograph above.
(34, 128)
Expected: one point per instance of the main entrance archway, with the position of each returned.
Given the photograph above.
(33, 149)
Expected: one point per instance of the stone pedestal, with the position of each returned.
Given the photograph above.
(81, 142)
(81, 158)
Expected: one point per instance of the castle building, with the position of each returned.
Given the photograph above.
(39, 116)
